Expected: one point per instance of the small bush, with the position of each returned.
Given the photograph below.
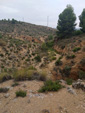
(53, 58)
(69, 81)
(5, 76)
(50, 86)
(31, 68)
(78, 32)
(76, 49)
(66, 71)
(43, 75)
(70, 56)
(4, 90)
(58, 62)
(21, 93)
(37, 58)
(23, 74)
(82, 62)
(81, 75)
(15, 84)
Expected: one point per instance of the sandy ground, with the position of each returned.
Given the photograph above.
(55, 102)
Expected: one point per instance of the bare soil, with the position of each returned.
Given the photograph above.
(55, 102)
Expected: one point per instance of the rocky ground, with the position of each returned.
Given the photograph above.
(67, 100)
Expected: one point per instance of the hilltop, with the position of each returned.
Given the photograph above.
(25, 30)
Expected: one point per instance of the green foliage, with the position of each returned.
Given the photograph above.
(58, 62)
(47, 46)
(31, 68)
(15, 84)
(76, 49)
(82, 20)
(81, 75)
(0, 35)
(77, 32)
(50, 86)
(66, 71)
(69, 81)
(50, 37)
(70, 56)
(37, 58)
(4, 90)
(21, 93)
(23, 74)
(4, 76)
(66, 23)
(13, 21)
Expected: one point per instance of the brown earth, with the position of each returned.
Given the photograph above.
(57, 102)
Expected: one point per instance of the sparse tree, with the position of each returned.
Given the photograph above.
(82, 20)
(66, 22)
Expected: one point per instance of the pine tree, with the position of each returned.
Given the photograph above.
(82, 20)
(66, 22)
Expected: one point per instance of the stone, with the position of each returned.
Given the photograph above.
(7, 95)
(70, 90)
(28, 101)
(45, 111)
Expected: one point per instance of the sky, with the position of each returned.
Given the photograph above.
(37, 11)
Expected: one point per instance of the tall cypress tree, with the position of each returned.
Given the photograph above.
(82, 20)
(66, 22)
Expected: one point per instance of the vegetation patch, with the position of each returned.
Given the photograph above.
(76, 49)
(69, 81)
(58, 62)
(38, 58)
(66, 71)
(21, 93)
(70, 56)
(15, 84)
(50, 86)
(81, 74)
(5, 76)
(4, 90)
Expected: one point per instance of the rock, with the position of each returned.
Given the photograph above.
(24, 85)
(28, 101)
(63, 81)
(45, 111)
(79, 85)
(70, 90)
(79, 80)
(7, 95)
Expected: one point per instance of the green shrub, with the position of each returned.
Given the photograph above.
(76, 49)
(69, 81)
(23, 74)
(66, 71)
(78, 32)
(81, 75)
(31, 68)
(15, 84)
(21, 93)
(5, 76)
(50, 37)
(70, 56)
(4, 90)
(53, 58)
(82, 62)
(37, 58)
(43, 75)
(58, 62)
(50, 86)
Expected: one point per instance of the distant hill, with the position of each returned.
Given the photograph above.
(17, 28)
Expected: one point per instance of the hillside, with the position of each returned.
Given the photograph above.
(42, 69)
(24, 30)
